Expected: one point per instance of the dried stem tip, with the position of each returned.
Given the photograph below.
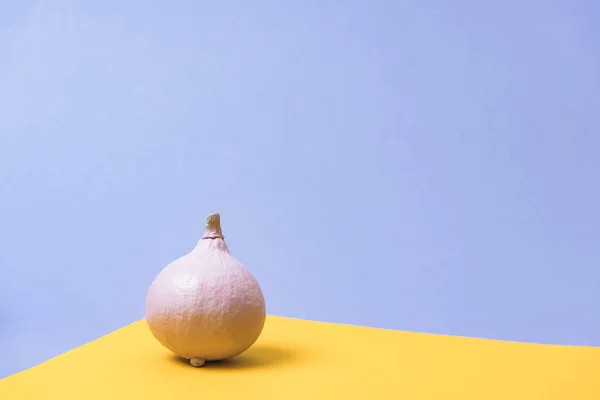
(197, 362)
(213, 227)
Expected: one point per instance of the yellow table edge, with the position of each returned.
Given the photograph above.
(297, 358)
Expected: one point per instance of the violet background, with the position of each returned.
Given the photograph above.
(416, 165)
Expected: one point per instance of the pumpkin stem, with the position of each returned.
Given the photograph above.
(213, 227)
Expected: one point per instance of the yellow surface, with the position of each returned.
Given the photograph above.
(296, 359)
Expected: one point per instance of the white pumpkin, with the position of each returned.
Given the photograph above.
(205, 305)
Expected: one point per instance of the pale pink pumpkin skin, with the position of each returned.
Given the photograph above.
(205, 305)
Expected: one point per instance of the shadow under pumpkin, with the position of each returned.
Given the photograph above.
(255, 357)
